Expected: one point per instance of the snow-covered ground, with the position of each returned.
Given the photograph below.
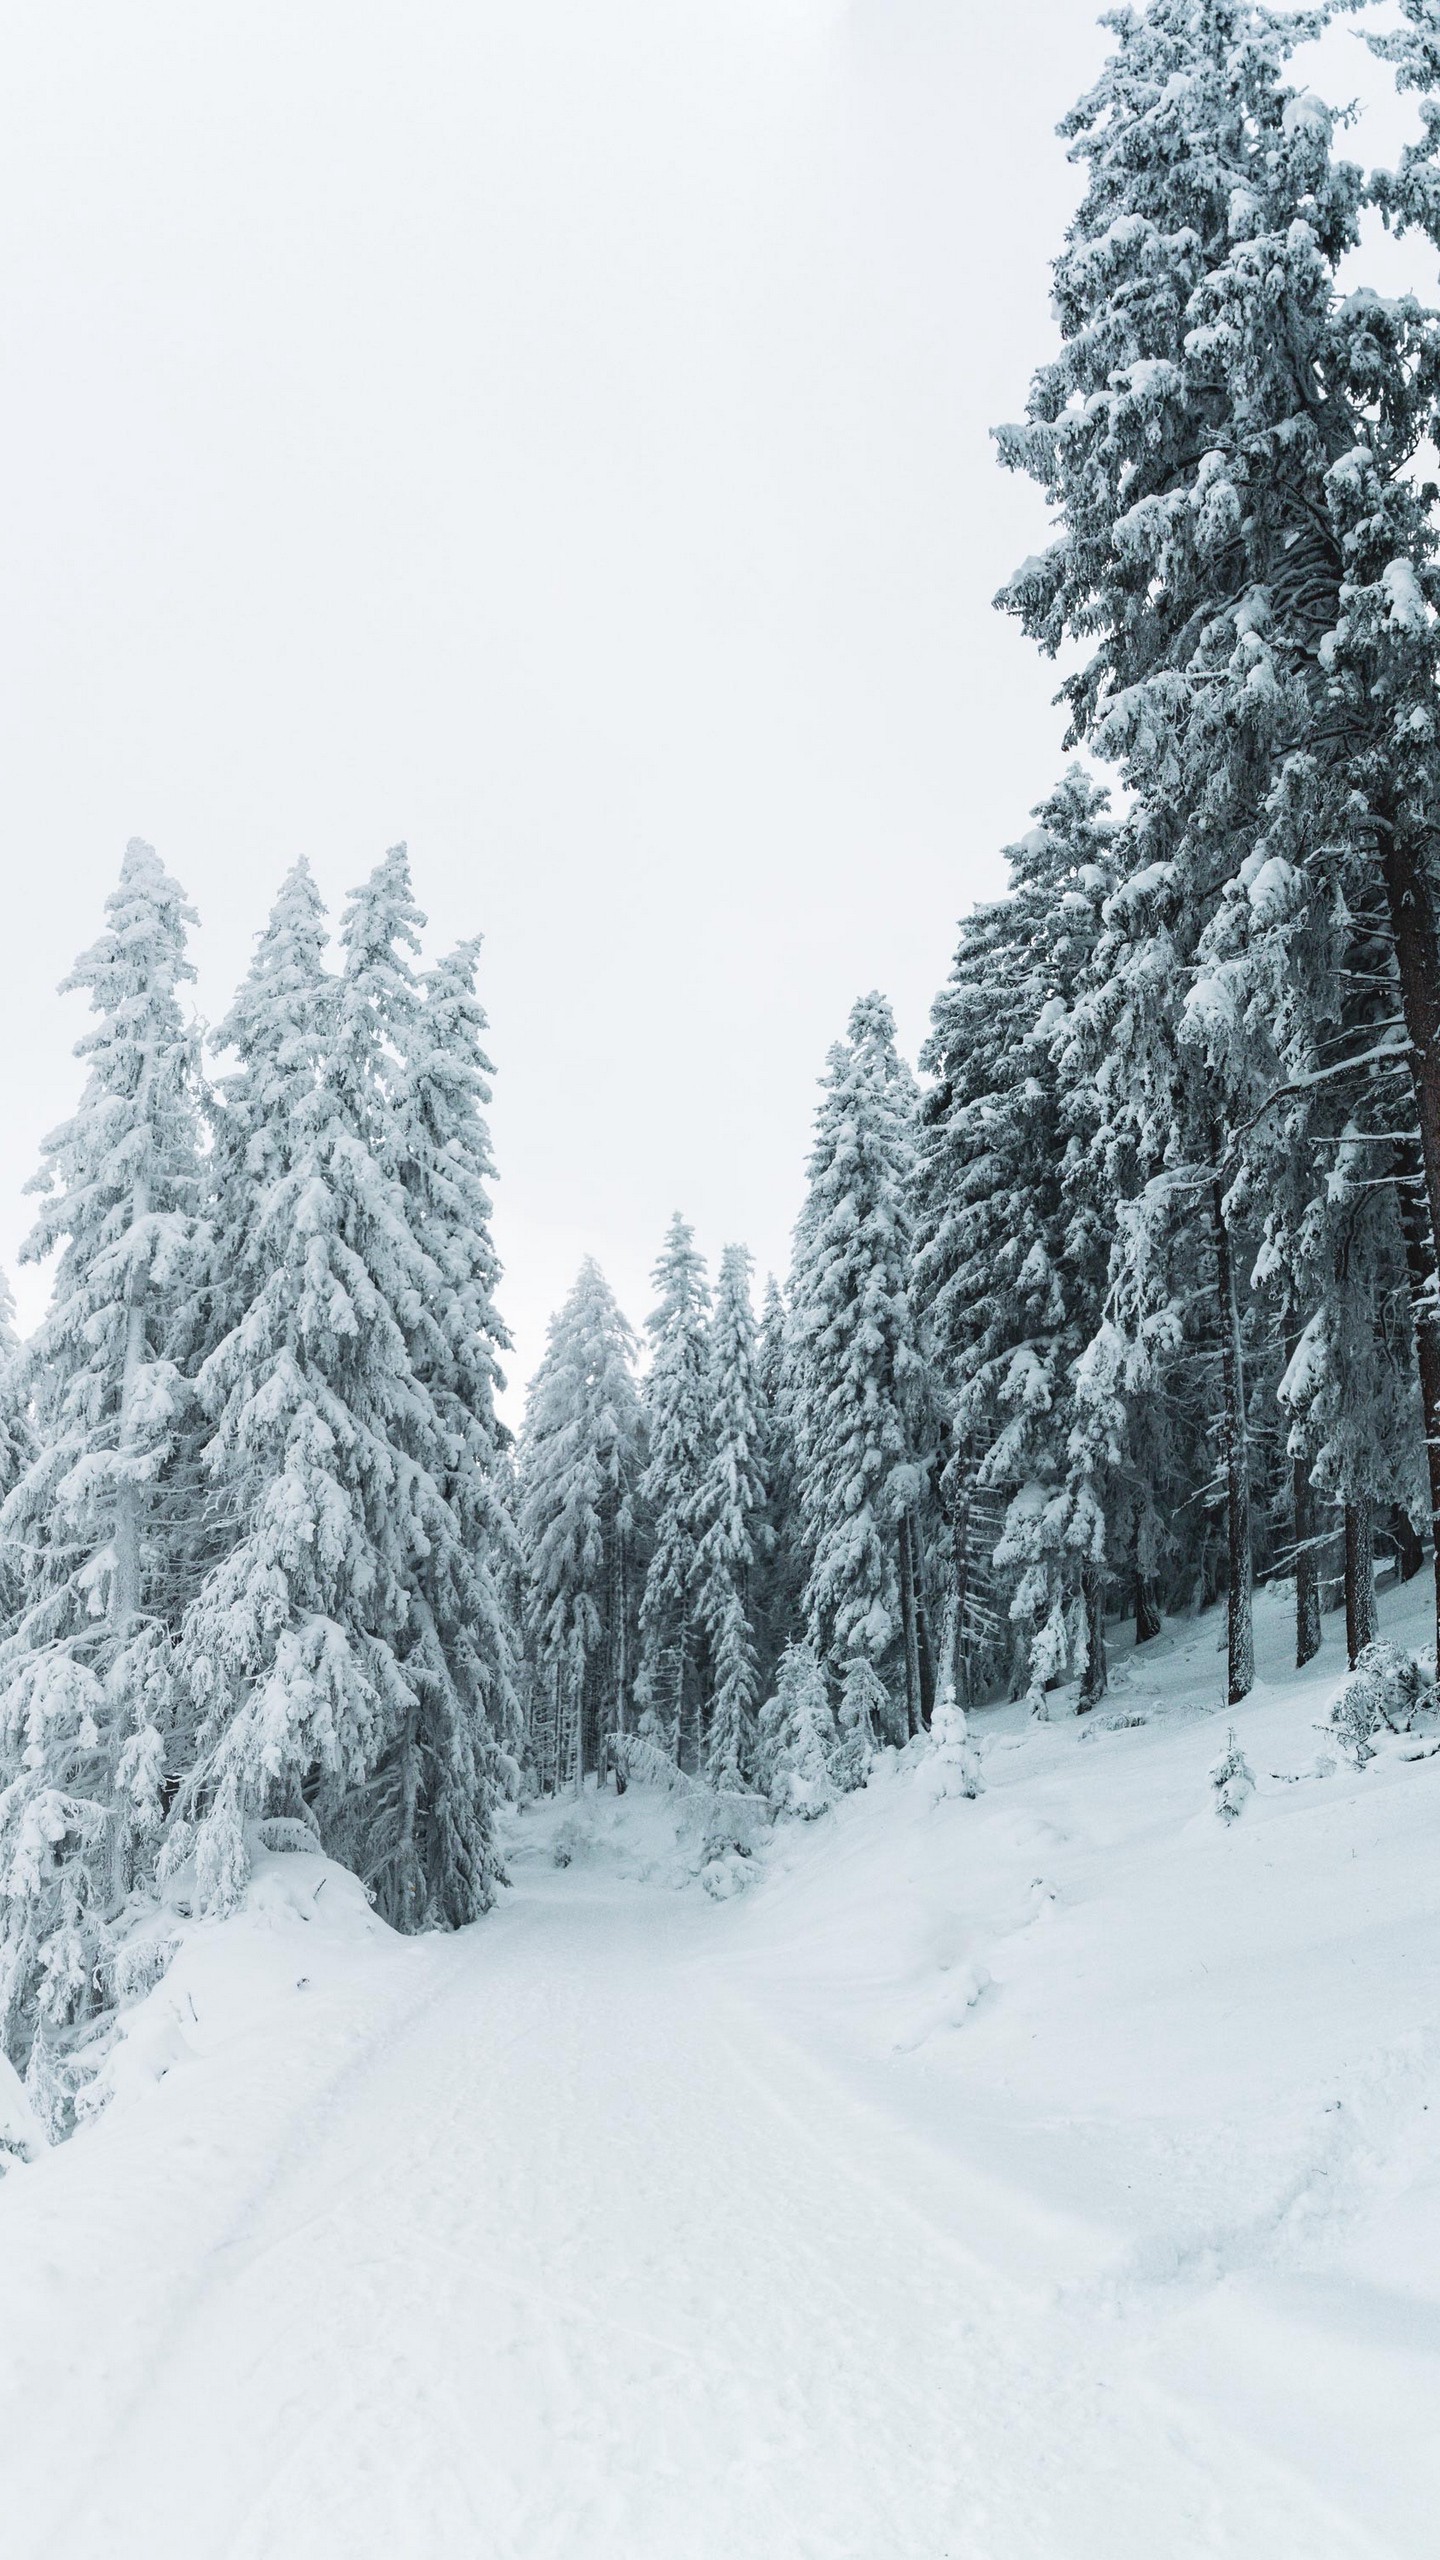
(1045, 2177)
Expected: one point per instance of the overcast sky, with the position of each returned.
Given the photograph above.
(554, 432)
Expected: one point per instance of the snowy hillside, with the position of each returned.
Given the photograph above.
(1045, 2174)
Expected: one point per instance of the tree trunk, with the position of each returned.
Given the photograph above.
(947, 1674)
(925, 1659)
(620, 1602)
(1147, 1616)
(409, 1895)
(1410, 1192)
(1236, 1457)
(1307, 1566)
(961, 1656)
(1360, 1619)
(1096, 1676)
(907, 1620)
(619, 1649)
(555, 1753)
(1417, 962)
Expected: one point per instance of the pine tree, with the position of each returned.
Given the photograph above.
(857, 1382)
(1246, 556)
(325, 1636)
(779, 1575)
(1232, 1779)
(670, 1685)
(1013, 1229)
(17, 1445)
(456, 1751)
(798, 1742)
(865, 1712)
(96, 1526)
(950, 1767)
(579, 1463)
(731, 1522)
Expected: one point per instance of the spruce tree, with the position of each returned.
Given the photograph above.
(17, 1446)
(456, 1750)
(857, 1383)
(1013, 1232)
(96, 1527)
(670, 1683)
(1246, 555)
(579, 1462)
(324, 1652)
(798, 1744)
(865, 1712)
(779, 1575)
(731, 1523)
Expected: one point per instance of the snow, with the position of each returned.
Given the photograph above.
(1043, 2176)
(1408, 610)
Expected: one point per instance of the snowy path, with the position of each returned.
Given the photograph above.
(579, 2258)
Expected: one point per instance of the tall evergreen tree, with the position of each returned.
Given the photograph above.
(1013, 1239)
(327, 1651)
(670, 1685)
(779, 1572)
(96, 1526)
(858, 1386)
(579, 1463)
(731, 1520)
(17, 1446)
(455, 1750)
(1245, 552)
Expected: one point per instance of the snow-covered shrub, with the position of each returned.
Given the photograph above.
(646, 1763)
(732, 1822)
(1385, 1692)
(1233, 1780)
(138, 1964)
(289, 1834)
(726, 1822)
(571, 1840)
(950, 1766)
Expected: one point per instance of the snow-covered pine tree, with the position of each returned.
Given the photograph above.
(731, 1523)
(97, 1525)
(457, 1749)
(579, 1463)
(1013, 1228)
(866, 1712)
(1232, 1779)
(779, 1576)
(17, 1446)
(797, 1738)
(951, 1766)
(1245, 553)
(671, 1684)
(314, 1646)
(858, 1387)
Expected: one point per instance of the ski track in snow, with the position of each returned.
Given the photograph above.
(578, 2256)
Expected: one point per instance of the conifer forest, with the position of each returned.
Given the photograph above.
(1101, 1394)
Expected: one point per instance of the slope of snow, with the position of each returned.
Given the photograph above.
(1044, 2177)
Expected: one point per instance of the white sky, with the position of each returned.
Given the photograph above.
(555, 433)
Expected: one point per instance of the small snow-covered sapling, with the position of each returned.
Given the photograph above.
(1233, 1780)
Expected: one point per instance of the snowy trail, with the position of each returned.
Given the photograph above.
(581, 2258)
